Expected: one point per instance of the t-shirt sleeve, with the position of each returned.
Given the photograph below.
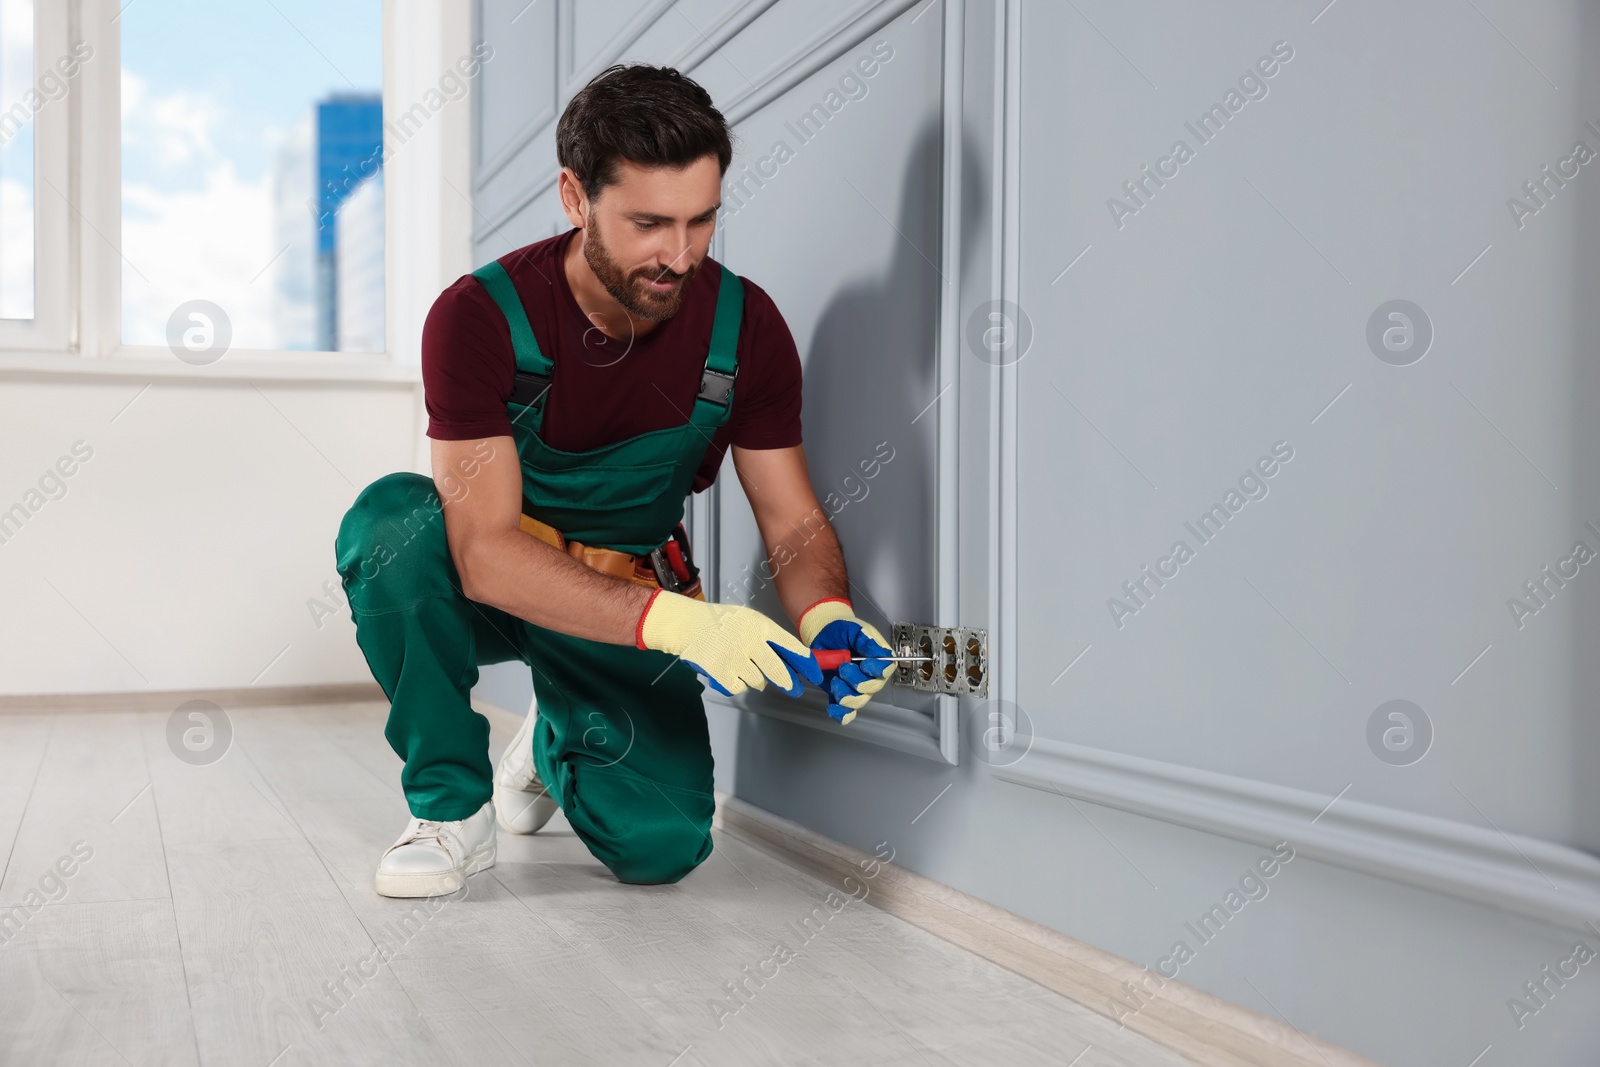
(467, 365)
(767, 414)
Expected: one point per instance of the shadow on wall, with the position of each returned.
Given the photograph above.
(869, 372)
(870, 378)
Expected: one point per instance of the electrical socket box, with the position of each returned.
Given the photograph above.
(958, 661)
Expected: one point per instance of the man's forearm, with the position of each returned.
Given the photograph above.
(520, 574)
(808, 567)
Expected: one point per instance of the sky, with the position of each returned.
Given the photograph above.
(209, 92)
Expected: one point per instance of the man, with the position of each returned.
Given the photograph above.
(577, 390)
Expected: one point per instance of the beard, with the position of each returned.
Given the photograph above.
(633, 290)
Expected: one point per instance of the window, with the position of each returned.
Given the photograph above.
(18, 95)
(179, 175)
(251, 174)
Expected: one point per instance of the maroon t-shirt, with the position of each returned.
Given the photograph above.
(602, 389)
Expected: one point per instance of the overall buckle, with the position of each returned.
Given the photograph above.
(715, 385)
(528, 388)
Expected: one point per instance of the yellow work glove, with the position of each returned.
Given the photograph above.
(736, 648)
(832, 624)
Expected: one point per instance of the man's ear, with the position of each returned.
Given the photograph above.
(574, 201)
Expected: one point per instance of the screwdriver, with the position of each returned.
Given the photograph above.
(831, 659)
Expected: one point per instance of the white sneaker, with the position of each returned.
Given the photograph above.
(434, 858)
(521, 802)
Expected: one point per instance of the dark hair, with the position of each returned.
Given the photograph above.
(651, 116)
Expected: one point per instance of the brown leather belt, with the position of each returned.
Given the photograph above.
(626, 565)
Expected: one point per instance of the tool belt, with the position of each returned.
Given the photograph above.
(668, 566)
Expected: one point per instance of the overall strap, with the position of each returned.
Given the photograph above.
(715, 401)
(532, 381)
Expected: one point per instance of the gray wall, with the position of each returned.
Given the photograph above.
(1132, 765)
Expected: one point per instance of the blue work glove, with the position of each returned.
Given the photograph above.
(832, 624)
(802, 669)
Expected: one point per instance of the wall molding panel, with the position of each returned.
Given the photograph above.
(508, 197)
(525, 146)
(505, 193)
(719, 33)
(1529, 877)
(846, 32)
(1005, 270)
(488, 167)
(1534, 878)
(535, 126)
(934, 735)
(880, 723)
(625, 38)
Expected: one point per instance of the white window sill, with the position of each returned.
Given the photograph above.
(325, 368)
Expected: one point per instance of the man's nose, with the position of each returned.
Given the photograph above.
(676, 257)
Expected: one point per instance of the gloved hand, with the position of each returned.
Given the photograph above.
(736, 648)
(832, 623)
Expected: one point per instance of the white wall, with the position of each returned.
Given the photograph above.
(184, 551)
(194, 548)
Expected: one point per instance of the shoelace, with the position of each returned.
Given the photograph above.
(524, 775)
(427, 828)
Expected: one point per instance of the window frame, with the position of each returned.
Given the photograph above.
(78, 147)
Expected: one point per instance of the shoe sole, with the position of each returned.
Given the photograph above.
(434, 883)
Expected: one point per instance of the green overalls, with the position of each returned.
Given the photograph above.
(621, 739)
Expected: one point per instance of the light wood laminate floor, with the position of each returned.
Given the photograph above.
(226, 915)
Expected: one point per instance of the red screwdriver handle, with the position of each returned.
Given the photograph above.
(831, 659)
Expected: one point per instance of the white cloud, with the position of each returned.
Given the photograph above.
(174, 129)
(192, 228)
(207, 244)
(16, 250)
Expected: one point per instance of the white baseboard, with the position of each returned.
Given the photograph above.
(241, 697)
(1207, 1030)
